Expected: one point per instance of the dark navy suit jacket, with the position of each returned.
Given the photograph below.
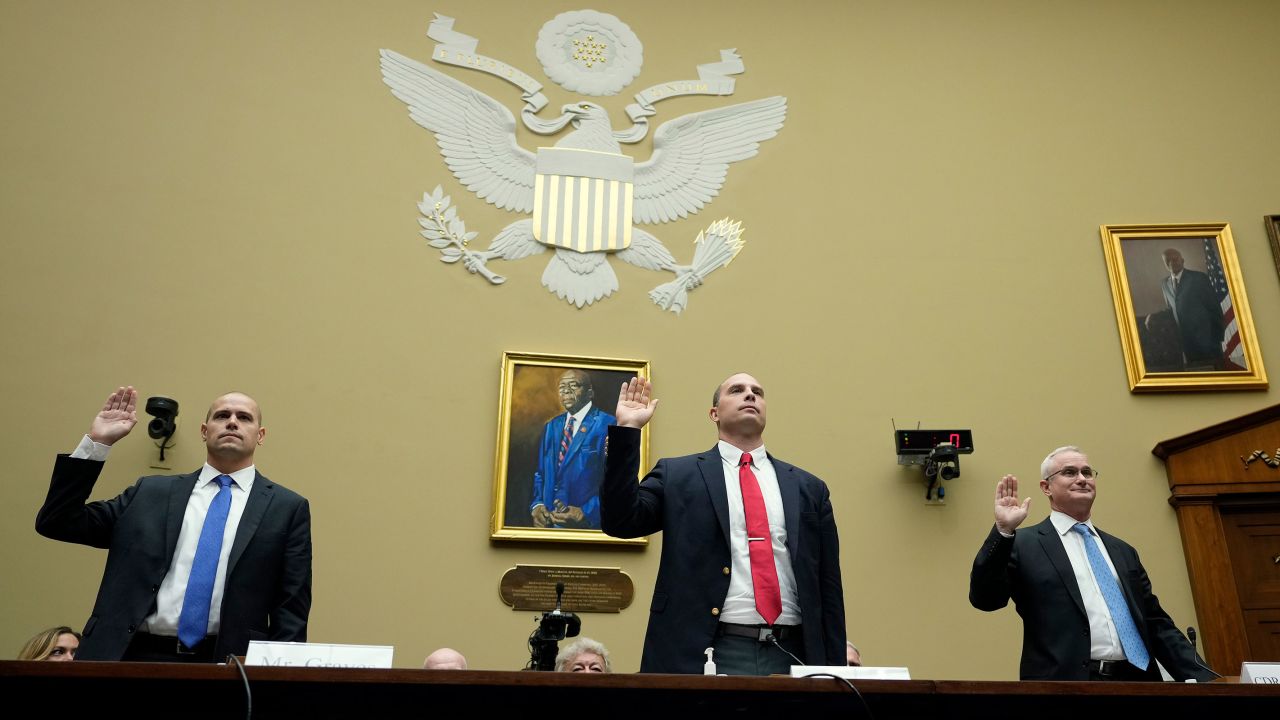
(1196, 307)
(685, 498)
(267, 595)
(1033, 570)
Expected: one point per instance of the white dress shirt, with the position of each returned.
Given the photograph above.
(1104, 640)
(740, 603)
(173, 589)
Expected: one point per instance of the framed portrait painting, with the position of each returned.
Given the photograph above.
(1181, 308)
(554, 414)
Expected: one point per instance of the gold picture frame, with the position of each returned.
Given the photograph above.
(535, 466)
(1273, 234)
(1195, 333)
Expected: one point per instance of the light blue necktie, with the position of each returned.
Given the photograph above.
(1130, 640)
(193, 623)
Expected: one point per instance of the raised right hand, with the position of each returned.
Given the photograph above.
(635, 405)
(117, 417)
(1009, 512)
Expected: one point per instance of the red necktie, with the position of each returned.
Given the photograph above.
(565, 440)
(764, 574)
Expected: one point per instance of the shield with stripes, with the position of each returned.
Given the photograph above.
(582, 199)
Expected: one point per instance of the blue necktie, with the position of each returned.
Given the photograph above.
(193, 623)
(1130, 640)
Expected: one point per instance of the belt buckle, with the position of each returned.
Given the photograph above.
(766, 632)
(182, 649)
(1106, 667)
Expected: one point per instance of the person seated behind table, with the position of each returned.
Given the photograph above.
(583, 655)
(56, 644)
(445, 659)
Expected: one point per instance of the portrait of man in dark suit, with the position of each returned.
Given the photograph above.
(1195, 311)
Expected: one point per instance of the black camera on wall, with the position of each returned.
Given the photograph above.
(938, 451)
(164, 420)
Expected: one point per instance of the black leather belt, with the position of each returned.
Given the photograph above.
(1116, 670)
(759, 633)
(173, 646)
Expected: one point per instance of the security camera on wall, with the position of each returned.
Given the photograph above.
(164, 421)
(938, 452)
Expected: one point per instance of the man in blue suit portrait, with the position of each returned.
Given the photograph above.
(566, 485)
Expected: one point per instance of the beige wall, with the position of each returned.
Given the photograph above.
(198, 196)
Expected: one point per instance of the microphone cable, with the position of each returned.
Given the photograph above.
(865, 708)
(248, 694)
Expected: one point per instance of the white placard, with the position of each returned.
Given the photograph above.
(1260, 673)
(288, 654)
(852, 672)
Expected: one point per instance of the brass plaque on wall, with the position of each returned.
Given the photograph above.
(586, 589)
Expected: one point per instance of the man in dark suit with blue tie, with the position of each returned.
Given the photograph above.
(566, 485)
(750, 554)
(1087, 609)
(198, 564)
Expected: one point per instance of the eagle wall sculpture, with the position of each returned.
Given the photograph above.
(584, 194)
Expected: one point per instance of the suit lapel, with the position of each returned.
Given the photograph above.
(1047, 534)
(259, 498)
(179, 495)
(789, 487)
(710, 465)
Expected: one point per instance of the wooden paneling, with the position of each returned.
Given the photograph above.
(1229, 518)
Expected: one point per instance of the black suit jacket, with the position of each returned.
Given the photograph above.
(686, 499)
(267, 595)
(1199, 314)
(1033, 570)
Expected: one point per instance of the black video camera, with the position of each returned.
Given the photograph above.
(555, 626)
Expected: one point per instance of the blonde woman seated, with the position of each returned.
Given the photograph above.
(58, 644)
(583, 655)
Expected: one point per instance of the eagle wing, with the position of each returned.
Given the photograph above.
(476, 134)
(692, 153)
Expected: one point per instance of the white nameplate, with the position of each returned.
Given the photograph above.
(288, 654)
(1260, 673)
(852, 672)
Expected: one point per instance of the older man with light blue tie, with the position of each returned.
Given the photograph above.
(1087, 609)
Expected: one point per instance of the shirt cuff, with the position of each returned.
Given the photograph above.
(90, 450)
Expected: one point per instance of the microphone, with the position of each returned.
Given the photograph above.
(774, 641)
(1191, 636)
(554, 626)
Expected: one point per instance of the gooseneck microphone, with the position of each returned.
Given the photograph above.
(1191, 636)
(774, 642)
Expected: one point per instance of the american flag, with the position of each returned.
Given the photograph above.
(1232, 353)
